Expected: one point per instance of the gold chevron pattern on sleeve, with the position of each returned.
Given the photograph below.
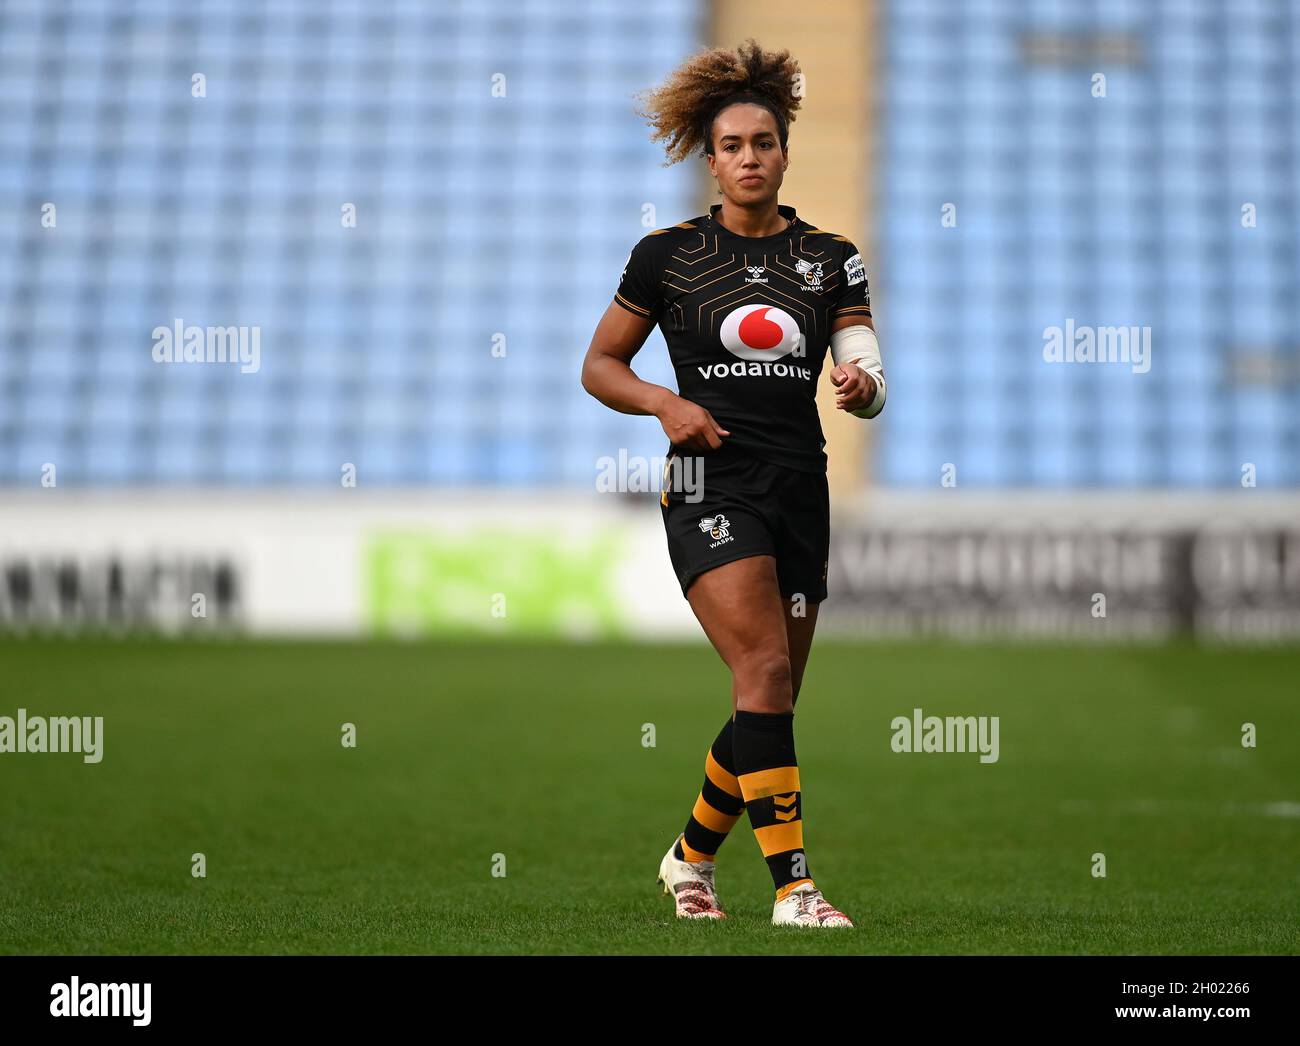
(628, 305)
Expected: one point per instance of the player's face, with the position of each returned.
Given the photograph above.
(747, 159)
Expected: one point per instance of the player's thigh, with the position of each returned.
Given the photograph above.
(740, 609)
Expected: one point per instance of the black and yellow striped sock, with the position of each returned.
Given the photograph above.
(719, 805)
(769, 781)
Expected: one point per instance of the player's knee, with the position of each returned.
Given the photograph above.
(765, 684)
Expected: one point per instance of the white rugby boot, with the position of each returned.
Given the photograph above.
(805, 906)
(691, 885)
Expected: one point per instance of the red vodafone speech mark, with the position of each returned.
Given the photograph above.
(758, 332)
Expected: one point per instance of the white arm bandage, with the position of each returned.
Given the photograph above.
(858, 344)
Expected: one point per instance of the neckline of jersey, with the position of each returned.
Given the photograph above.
(782, 209)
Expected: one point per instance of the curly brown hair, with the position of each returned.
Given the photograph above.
(682, 109)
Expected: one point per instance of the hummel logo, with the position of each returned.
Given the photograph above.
(756, 274)
(786, 810)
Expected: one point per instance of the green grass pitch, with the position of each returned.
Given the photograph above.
(534, 751)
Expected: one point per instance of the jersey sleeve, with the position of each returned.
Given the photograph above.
(641, 289)
(854, 295)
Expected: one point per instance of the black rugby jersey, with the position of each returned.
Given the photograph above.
(747, 321)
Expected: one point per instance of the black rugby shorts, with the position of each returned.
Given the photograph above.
(747, 507)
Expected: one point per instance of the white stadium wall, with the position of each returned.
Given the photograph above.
(350, 564)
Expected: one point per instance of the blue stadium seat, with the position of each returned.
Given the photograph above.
(225, 210)
(1116, 211)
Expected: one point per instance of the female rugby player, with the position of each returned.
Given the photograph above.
(749, 298)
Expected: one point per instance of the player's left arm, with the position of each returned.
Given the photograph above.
(858, 374)
(855, 389)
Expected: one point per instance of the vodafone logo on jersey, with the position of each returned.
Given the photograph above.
(761, 333)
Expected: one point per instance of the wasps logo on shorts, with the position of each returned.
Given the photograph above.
(717, 527)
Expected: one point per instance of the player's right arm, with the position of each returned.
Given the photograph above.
(607, 372)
